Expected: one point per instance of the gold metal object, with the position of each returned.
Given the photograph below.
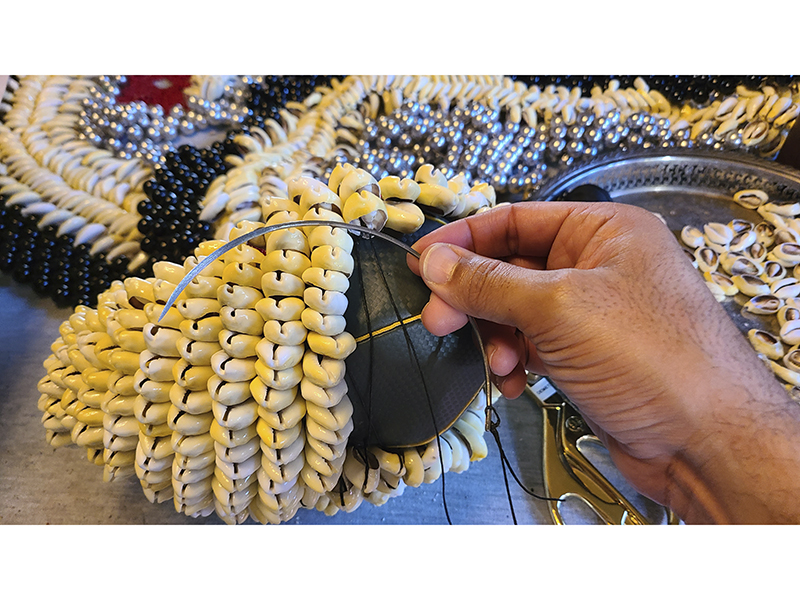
(566, 470)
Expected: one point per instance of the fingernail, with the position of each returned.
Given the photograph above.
(439, 264)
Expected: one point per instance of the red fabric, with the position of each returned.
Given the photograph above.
(148, 88)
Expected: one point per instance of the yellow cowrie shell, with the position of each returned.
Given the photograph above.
(162, 341)
(286, 418)
(231, 369)
(203, 330)
(277, 439)
(155, 391)
(335, 237)
(151, 412)
(279, 357)
(296, 186)
(191, 377)
(202, 288)
(148, 461)
(788, 375)
(211, 271)
(238, 453)
(231, 438)
(322, 197)
(236, 417)
(334, 418)
(399, 190)
(181, 475)
(320, 396)
(125, 361)
(283, 473)
(187, 423)
(242, 274)
(329, 325)
(286, 261)
(242, 320)
(365, 208)
(192, 445)
(239, 296)
(279, 210)
(276, 283)
(790, 334)
(355, 182)
(289, 333)
(119, 383)
(326, 468)
(239, 345)
(197, 352)
(131, 340)
(270, 398)
(229, 393)
(154, 430)
(282, 379)
(338, 347)
(283, 456)
(197, 308)
(243, 253)
(750, 285)
(427, 173)
(404, 217)
(328, 280)
(172, 319)
(765, 343)
(415, 471)
(437, 198)
(285, 309)
(121, 425)
(325, 302)
(329, 257)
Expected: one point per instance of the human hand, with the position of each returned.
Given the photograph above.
(601, 299)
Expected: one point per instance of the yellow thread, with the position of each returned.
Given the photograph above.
(388, 328)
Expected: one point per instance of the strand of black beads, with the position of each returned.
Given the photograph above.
(170, 220)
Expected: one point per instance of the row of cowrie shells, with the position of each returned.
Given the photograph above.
(86, 191)
(195, 430)
(235, 482)
(756, 260)
(125, 326)
(155, 382)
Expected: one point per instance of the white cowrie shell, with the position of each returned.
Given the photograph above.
(279, 357)
(283, 379)
(765, 343)
(270, 398)
(692, 237)
(750, 198)
(285, 309)
(786, 288)
(474, 439)
(328, 257)
(239, 296)
(788, 375)
(790, 333)
(750, 285)
(228, 393)
(239, 345)
(231, 438)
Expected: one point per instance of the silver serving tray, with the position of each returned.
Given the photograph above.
(685, 188)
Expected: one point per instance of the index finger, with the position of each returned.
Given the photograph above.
(525, 228)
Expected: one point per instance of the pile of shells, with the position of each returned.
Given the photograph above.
(235, 401)
(493, 128)
(761, 261)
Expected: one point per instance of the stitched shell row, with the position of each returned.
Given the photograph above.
(235, 402)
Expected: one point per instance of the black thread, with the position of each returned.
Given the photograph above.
(413, 352)
(505, 462)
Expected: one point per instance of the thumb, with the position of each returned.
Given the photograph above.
(490, 289)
